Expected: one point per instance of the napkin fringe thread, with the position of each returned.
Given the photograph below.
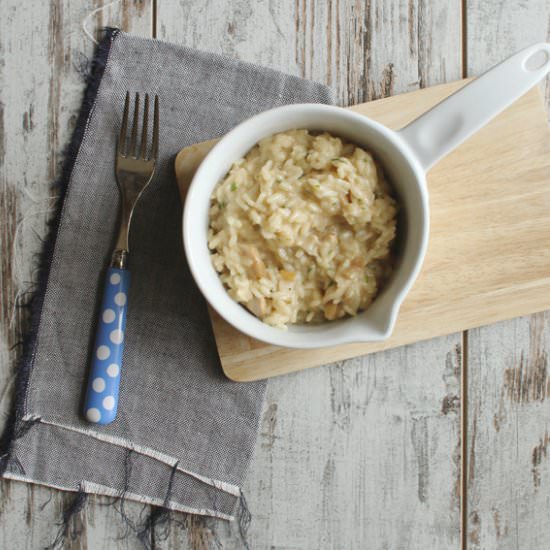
(75, 507)
(12, 429)
(141, 449)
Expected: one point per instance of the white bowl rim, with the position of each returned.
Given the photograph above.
(240, 319)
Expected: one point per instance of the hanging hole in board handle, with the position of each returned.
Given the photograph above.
(537, 60)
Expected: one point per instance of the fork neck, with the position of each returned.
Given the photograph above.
(119, 259)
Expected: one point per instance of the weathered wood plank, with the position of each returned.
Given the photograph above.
(43, 50)
(509, 413)
(366, 450)
(496, 29)
(508, 469)
(362, 50)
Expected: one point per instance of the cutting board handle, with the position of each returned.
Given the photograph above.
(438, 131)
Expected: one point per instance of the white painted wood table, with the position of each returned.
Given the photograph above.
(443, 444)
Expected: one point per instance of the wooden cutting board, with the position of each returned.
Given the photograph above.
(488, 257)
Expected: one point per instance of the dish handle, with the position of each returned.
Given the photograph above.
(446, 125)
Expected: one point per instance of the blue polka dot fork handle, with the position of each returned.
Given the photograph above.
(134, 168)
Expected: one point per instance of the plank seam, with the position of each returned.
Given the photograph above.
(464, 443)
(464, 365)
(464, 37)
(154, 19)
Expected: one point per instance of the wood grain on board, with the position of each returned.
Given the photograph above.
(486, 258)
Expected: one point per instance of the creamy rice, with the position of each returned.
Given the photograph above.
(301, 229)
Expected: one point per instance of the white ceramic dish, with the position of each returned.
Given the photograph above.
(406, 155)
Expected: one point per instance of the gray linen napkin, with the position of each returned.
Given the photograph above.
(184, 434)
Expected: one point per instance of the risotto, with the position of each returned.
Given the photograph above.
(301, 229)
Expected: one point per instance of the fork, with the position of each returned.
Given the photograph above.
(134, 170)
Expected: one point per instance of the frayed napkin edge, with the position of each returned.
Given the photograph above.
(15, 426)
(169, 460)
(90, 487)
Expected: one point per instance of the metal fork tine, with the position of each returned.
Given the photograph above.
(133, 139)
(155, 146)
(122, 135)
(143, 150)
